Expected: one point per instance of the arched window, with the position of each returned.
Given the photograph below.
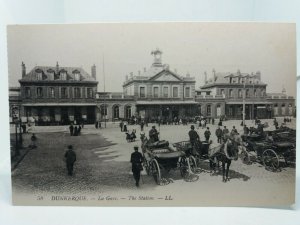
(255, 93)
(240, 93)
(276, 110)
(230, 93)
(247, 93)
(103, 111)
(218, 109)
(283, 112)
(128, 112)
(116, 112)
(290, 110)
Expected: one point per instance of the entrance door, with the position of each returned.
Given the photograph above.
(91, 117)
(77, 115)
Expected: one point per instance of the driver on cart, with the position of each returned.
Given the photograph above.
(153, 135)
(194, 139)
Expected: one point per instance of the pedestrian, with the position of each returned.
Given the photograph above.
(225, 132)
(213, 121)
(202, 123)
(246, 130)
(153, 135)
(220, 122)
(71, 128)
(136, 160)
(207, 134)
(219, 134)
(33, 141)
(79, 130)
(198, 124)
(121, 125)
(194, 138)
(125, 127)
(142, 125)
(96, 125)
(233, 131)
(75, 131)
(70, 158)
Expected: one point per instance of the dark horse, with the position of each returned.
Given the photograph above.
(225, 153)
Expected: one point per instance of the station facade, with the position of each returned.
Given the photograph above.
(61, 95)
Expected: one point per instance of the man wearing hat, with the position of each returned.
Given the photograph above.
(136, 160)
(194, 137)
(70, 157)
(153, 135)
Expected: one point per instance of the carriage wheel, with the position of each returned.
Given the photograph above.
(146, 164)
(193, 164)
(290, 157)
(184, 168)
(270, 159)
(155, 171)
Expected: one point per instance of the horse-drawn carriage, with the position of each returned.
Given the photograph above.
(159, 157)
(269, 149)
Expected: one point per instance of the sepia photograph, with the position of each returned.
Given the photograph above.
(153, 114)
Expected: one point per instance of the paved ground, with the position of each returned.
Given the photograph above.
(103, 168)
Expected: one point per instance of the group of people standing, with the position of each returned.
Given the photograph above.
(75, 129)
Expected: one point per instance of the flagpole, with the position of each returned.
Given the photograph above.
(105, 112)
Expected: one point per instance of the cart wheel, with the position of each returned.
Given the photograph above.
(270, 159)
(147, 167)
(193, 164)
(155, 171)
(290, 157)
(184, 168)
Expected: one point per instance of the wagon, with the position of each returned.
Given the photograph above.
(159, 157)
(268, 150)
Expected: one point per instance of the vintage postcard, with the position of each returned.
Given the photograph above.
(153, 114)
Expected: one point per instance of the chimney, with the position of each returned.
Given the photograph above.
(57, 67)
(283, 90)
(214, 74)
(23, 70)
(205, 77)
(258, 75)
(93, 70)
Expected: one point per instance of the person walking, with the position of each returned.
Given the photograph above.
(70, 158)
(194, 138)
(225, 132)
(71, 128)
(142, 125)
(233, 131)
(75, 133)
(207, 134)
(219, 135)
(136, 160)
(33, 141)
(246, 130)
(121, 125)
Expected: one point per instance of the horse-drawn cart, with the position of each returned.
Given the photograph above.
(268, 149)
(159, 157)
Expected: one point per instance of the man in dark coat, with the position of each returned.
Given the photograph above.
(194, 138)
(225, 132)
(153, 134)
(71, 128)
(136, 160)
(219, 135)
(70, 157)
(246, 130)
(207, 134)
(233, 131)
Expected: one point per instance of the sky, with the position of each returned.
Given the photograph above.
(187, 47)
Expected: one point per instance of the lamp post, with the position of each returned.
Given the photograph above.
(244, 95)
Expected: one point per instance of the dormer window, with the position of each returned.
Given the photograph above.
(76, 75)
(39, 76)
(63, 75)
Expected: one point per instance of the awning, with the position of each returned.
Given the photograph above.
(166, 103)
(59, 104)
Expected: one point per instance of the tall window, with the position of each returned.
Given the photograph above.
(116, 112)
(27, 92)
(89, 92)
(230, 93)
(155, 92)
(247, 93)
(240, 93)
(208, 110)
(51, 92)
(77, 93)
(187, 92)
(39, 92)
(64, 92)
(142, 92)
(166, 92)
(103, 110)
(222, 91)
(255, 93)
(175, 92)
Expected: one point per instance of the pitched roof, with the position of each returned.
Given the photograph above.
(48, 70)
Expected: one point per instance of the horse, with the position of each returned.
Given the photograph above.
(225, 153)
